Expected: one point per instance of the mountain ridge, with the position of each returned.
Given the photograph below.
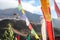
(31, 16)
(35, 18)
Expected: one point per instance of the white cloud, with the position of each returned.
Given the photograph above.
(38, 10)
(29, 7)
(32, 1)
(58, 1)
(52, 7)
(5, 4)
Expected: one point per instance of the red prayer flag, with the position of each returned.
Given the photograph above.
(56, 9)
(30, 27)
(18, 37)
(19, 2)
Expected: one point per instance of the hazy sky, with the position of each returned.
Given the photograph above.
(28, 5)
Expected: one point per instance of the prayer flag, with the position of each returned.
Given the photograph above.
(43, 29)
(57, 9)
(28, 37)
(19, 2)
(47, 15)
(19, 7)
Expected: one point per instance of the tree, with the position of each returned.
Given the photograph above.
(8, 33)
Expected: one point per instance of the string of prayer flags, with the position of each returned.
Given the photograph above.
(47, 15)
(27, 21)
(29, 25)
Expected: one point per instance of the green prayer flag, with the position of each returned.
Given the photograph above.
(28, 37)
(33, 32)
(20, 7)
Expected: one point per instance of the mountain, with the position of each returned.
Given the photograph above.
(31, 16)
(9, 12)
(56, 23)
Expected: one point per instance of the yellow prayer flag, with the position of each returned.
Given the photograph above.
(36, 36)
(23, 11)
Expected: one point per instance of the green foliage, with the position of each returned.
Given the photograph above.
(8, 33)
